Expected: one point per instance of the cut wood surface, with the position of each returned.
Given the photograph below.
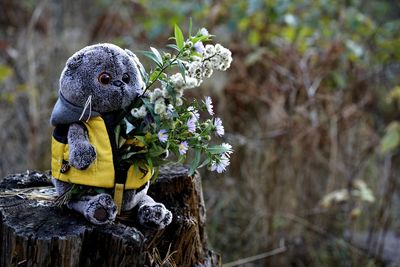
(35, 232)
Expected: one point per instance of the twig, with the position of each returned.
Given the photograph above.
(279, 250)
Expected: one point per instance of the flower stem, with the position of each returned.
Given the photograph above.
(121, 116)
(162, 71)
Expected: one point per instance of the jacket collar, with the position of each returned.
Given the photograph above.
(65, 112)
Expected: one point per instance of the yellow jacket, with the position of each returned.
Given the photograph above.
(101, 173)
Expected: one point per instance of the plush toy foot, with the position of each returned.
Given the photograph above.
(100, 209)
(154, 216)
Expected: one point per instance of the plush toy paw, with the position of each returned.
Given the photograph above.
(82, 155)
(100, 209)
(154, 216)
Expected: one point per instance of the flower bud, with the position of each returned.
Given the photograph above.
(206, 124)
(188, 44)
(167, 56)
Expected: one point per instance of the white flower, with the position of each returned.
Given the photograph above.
(218, 48)
(192, 82)
(209, 105)
(177, 80)
(194, 68)
(157, 93)
(178, 92)
(209, 51)
(219, 128)
(139, 112)
(179, 83)
(159, 107)
(208, 73)
(165, 92)
(215, 62)
(196, 59)
(207, 64)
(179, 102)
(220, 165)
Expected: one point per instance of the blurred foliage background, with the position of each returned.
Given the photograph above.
(310, 104)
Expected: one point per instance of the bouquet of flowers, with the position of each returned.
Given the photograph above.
(161, 125)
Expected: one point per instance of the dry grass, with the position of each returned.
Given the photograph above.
(296, 140)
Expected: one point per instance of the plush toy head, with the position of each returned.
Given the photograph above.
(105, 72)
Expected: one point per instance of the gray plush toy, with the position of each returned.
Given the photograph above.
(95, 85)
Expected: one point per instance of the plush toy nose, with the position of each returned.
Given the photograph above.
(117, 83)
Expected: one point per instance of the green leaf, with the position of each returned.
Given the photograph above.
(182, 69)
(150, 108)
(121, 141)
(5, 72)
(196, 161)
(141, 139)
(200, 38)
(154, 75)
(173, 47)
(171, 92)
(157, 54)
(190, 26)
(204, 163)
(143, 73)
(197, 54)
(391, 140)
(135, 168)
(130, 154)
(155, 175)
(156, 151)
(178, 37)
(149, 162)
(218, 149)
(181, 158)
(153, 57)
(117, 133)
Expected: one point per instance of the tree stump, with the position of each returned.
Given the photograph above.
(35, 232)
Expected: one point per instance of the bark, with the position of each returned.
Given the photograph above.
(35, 232)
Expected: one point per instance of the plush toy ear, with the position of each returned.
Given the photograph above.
(132, 55)
(75, 61)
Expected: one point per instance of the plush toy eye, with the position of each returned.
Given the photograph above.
(104, 78)
(126, 78)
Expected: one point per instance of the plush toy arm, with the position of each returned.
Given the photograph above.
(81, 152)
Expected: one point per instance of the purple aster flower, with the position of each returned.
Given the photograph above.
(199, 47)
(219, 128)
(209, 105)
(228, 148)
(204, 32)
(194, 112)
(220, 165)
(191, 124)
(162, 136)
(183, 147)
